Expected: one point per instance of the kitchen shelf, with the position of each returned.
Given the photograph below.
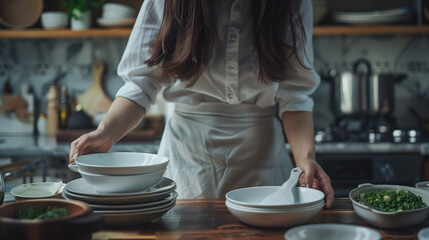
(34, 33)
(370, 30)
(65, 33)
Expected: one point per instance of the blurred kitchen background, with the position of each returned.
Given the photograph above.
(365, 139)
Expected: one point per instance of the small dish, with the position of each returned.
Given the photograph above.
(38, 190)
(332, 232)
(423, 234)
(129, 22)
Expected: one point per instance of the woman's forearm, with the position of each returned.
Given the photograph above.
(299, 129)
(122, 117)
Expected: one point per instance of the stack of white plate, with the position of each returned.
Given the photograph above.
(245, 204)
(125, 208)
(403, 14)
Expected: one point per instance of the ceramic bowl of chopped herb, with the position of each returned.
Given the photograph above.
(390, 206)
(48, 219)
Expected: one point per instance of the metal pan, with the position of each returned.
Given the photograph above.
(382, 219)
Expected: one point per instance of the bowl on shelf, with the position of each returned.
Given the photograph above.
(80, 222)
(20, 14)
(54, 20)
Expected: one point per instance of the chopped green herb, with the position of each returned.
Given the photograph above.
(36, 212)
(391, 200)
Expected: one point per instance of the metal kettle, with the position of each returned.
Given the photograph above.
(363, 93)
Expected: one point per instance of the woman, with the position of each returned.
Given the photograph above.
(225, 65)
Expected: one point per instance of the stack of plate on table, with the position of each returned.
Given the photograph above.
(125, 208)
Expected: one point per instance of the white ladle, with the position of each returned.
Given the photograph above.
(284, 194)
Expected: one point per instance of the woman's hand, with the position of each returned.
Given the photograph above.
(93, 142)
(313, 176)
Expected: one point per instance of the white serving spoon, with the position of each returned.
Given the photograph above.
(284, 194)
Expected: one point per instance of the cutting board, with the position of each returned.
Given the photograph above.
(94, 100)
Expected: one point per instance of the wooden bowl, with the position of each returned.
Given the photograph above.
(20, 14)
(79, 224)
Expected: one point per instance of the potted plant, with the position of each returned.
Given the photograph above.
(80, 12)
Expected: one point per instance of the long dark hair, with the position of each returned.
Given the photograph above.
(188, 33)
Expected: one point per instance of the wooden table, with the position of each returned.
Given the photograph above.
(210, 219)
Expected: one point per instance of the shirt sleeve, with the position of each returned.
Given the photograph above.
(300, 82)
(142, 83)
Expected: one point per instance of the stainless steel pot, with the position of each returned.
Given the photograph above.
(357, 93)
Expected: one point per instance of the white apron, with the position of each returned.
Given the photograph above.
(216, 147)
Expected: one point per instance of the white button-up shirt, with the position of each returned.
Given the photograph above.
(230, 77)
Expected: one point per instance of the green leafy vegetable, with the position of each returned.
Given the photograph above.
(391, 200)
(36, 212)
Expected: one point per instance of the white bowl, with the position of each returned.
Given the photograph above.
(54, 20)
(122, 183)
(120, 9)
(252, 196)
(121, 163)
(400, 219)
(277, 218)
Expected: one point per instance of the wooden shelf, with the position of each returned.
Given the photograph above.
(125, 32)
(66, 33)
(370, 30)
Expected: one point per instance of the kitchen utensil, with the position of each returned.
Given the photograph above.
(252, 197)
(284, 194)
(423, 185)
(121, 163)
(400, 219)
(20, 14)
(79, 224)
(94, 100)
(274, 218)
(331, 231)
(122, 183)
(362, 93)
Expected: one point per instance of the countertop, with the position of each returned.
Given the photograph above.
(210, 219)
(36, 146)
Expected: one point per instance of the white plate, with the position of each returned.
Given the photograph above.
(116, 23)
(423, 185)
(128, 219)
(138, 210)
(170, 198)
(331, 232)
(81, 187)
(38, 190)
(108, 200)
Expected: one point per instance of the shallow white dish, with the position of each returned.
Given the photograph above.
(277, 218)
(81, 187)
(106, 22)
(423, 234)
(38, 190)
(252, 196)
(121, 163)
(138, 210)
(331, 232)
(122, 183)
(423, 185)
(161, 202)
(128, 219)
